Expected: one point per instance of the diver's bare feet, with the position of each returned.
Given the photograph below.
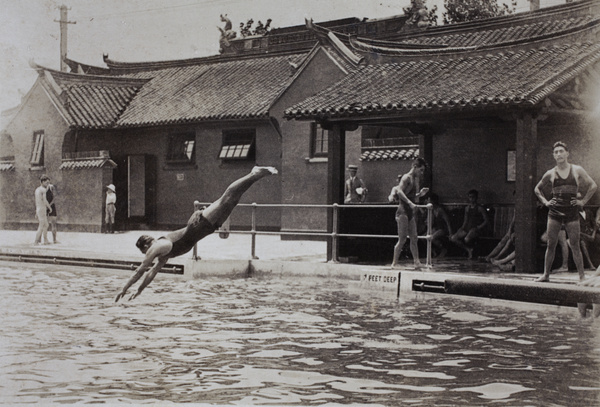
(543, 279)
(264, 171)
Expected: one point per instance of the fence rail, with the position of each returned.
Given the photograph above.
(334, 235)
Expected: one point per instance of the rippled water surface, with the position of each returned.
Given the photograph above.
(281, 341)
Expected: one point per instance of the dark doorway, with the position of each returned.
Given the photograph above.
(135, 181)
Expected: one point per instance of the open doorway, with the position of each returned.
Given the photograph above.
(135, 181)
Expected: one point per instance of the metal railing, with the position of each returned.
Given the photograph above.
(334, 235)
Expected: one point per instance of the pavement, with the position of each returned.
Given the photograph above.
(272, 253)
(122, 245)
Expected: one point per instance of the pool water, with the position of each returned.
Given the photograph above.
(281, 342)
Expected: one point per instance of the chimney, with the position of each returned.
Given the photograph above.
(534, 5)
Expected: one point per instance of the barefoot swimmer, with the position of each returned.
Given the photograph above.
(406, 193)
(565, 180)
(201, 224)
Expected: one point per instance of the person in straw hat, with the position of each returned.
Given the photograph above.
(111, 209)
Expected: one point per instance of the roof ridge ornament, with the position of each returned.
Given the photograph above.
(227, 34)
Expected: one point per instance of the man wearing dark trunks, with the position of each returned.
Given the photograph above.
(201, 224)
(565, 180)
(406, 194)
(52, 214)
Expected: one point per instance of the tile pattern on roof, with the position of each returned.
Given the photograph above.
(97, 106)
(503, 34)
(90, 101)
(389, 154)
(235, 89)
(86, 164)
(507, 78)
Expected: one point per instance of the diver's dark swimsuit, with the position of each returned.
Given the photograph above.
(403, 207)
(50, 198)
(184, 239)
(564, 190)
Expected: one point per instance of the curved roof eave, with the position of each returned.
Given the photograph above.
(448, 85)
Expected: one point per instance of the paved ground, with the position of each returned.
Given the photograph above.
(235, 247)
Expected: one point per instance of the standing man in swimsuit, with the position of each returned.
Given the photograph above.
(406, 195)
(51, 193)
(565, 180)
(201, 224)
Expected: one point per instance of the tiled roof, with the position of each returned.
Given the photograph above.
(7, 166)
(503, 78)
(527, 30)
(233, 89)
(389, 154)
(98, 106)
(93, 101)
(85, 164)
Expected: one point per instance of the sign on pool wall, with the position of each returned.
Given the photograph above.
(386, 280)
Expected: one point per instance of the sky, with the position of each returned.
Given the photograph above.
(151, 30)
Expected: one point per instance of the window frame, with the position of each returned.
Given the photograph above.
(319, 146)
(38, 149)
(178, 149)
(238, 145)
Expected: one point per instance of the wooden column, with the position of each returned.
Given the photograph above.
(525, 199)
(426, 152)
(335, 174)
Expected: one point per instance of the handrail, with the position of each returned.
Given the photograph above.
(334, 233)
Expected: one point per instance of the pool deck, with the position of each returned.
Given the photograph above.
(232, 256)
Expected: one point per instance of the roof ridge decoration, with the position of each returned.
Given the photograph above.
(344, 50)
(121, 68)
(512, 35)
(399, 49)
(227, 34)
(325, 34)
(106, 80)
(82, 68)
(403, 49)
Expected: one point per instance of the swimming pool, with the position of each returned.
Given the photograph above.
(280, 341)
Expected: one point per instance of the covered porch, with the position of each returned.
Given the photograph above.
(485, 120)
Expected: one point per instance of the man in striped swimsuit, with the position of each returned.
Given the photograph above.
(565, 180)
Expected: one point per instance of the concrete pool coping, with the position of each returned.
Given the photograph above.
(230, 258)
